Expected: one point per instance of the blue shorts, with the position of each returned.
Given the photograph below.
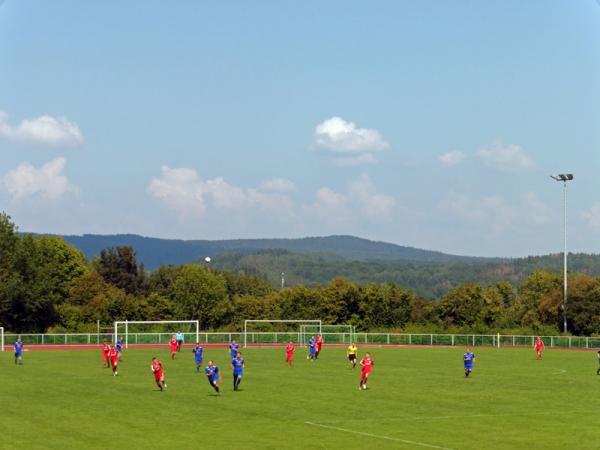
(198, 360)
(313, 350)
(18, 353)
(468, 367)
(237, 374)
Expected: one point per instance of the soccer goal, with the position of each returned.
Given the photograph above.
(1, 339)
(334, 334)
(316, 323)
(154, 329)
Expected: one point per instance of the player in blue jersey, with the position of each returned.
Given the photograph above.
(598, 371)
(312, 349)
(18, 352)
(198, 353)
(233, 348)
(237, 364)
(212, 373)
(468, 359)
(119, 348)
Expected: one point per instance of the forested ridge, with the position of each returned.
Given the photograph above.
(46, 284)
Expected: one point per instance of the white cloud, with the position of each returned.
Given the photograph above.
(47, 182)
(592, 216)
(182, 190)
(42, 130)
(495, 211)
(375, 205)
(278, 185)
(361, 201)
(452, 158)
(349, 144)
(507, 158)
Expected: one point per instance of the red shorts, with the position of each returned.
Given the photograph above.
(115, 361)
(104, 356)
(158, 376)
(365, 373)
(539, 349)
(173, 349)
(289, 356)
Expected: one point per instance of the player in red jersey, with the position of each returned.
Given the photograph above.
(289, 353)
(320, 341)
(367, 366)
(174, 346)
(105, 350)
(159, 377)
(539, 347)
(113, 356)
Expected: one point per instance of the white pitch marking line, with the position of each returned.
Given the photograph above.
(378, 436)
(560, 372)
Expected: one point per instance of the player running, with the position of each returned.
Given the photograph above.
(119, 348)
(173, 345)
(468, 359)
(198, 353)
(312, 349)
(105, 350)
(233, 348)
(367, 364)
(289, 353)
(539, 347)
(18, 345)
(319, 341)
(113, 356)
(159, 376)
(179, 338)
(212, 373)
(237, 364)
(352, 353)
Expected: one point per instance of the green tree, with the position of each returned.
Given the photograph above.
(118, 266)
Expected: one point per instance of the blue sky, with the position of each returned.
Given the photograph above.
(434, 124)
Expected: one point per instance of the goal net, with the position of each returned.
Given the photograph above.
(155, 331)
(280, 330)
(333, 334)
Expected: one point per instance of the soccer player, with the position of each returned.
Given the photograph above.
(119, 347)
(312, 349)
(18, 352)
(367, 366)
(233, 348)
(179, 337)
(159, 376)
(319, 341)
(289, 353)
(539, 347)
(113, 356)
(198, 353)
(468, 359)
(352, 353)
(173, 345)
(598, 371)
(105, 350)
(212, 373)
(237, 364)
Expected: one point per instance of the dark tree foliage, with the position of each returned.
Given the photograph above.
(118, 266)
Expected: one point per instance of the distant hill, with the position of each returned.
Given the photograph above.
(317, 260)
(153, 252)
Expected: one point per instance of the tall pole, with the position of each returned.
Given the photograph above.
(282, 280)
(565, 259)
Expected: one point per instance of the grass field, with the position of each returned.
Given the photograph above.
(418, 398)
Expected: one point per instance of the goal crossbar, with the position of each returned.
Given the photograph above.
(306, 322)
(151, 322)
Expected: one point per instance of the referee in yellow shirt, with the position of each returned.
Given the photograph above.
(352, 352)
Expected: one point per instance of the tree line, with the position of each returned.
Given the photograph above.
(48, 285)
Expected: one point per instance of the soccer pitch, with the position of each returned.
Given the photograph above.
(417, 398)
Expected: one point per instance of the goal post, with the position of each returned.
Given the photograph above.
(339, 334)
(1, 339)
(127, 323)
(314, 322)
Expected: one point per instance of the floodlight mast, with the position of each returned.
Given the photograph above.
(564, 177)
